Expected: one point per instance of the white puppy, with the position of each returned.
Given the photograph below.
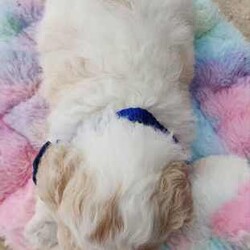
(116, 75)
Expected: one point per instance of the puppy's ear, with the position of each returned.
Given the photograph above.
(56, 168)
(173, 200)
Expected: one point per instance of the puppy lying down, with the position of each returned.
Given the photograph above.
(113, 173)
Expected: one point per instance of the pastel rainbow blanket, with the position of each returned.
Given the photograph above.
(220, 93)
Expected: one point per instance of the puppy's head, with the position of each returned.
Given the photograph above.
(67, 189)
(125, 188)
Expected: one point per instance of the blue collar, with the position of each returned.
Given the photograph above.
(37, 160)
(135, 115)
(144, 117)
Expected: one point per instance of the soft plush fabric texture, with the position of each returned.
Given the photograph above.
(221, 100)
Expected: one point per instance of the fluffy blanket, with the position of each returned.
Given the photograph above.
(220, 94)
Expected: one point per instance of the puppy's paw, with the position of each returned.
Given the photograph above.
(42, 234)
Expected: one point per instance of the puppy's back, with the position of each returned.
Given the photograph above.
(113, 36)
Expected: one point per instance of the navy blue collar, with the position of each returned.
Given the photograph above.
(132, 114)
(37, 160)
(144, 117)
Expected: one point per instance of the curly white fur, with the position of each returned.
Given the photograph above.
(100, 56)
